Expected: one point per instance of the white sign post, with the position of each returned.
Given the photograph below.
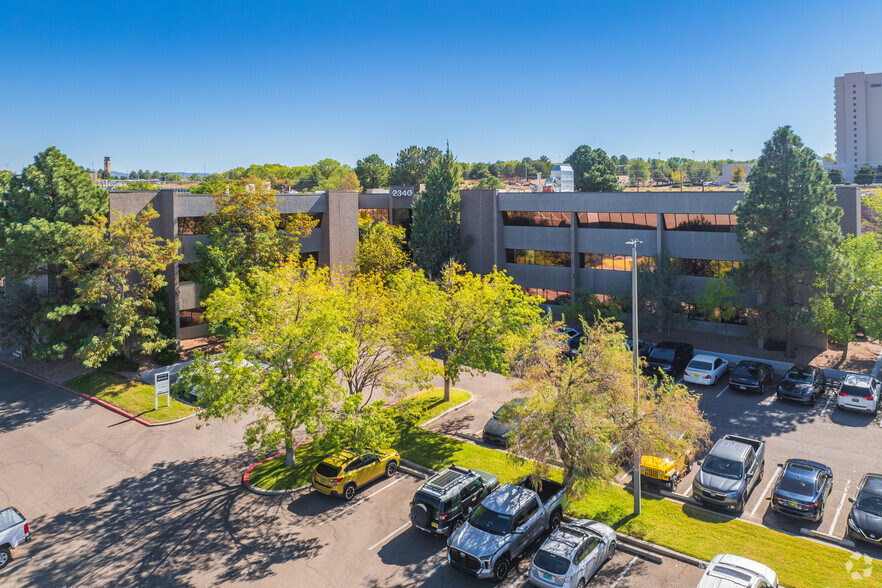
(161, 386)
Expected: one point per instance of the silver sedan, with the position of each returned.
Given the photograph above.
(572, 554)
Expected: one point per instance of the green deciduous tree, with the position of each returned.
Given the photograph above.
(489, 183)
(479, 171)
(246, 231)
(864, 175)
(284, 353)
(380, 249)
(41, 214)
(372, 172)
(581, 412)
(661, 291)
(467, 320)
(412, 165)
(719, 302)
(788, 229)
(638, 172)
(737, 174)
(120, 270)
(435, 236)
(593, 170)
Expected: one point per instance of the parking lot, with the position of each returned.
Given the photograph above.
(846, 441)
(113, 503)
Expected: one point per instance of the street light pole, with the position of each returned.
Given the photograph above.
(635, 349)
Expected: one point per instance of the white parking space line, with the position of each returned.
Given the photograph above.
(518, 581)
(435, 569)
(15, 565)
(356, 503)
(768, 400)
(624, 572)
(389, 536)
(680, 380)
(838, 510)
(765, 490)
(688, 491)
(723, 390)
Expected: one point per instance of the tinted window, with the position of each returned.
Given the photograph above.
(856, 390)
(747, 371)
(700, 365)
(490, 521)
(798, 376)
(796, 486)
(725, 468)
(870, 503)
(327, 470)
(551, 562)
(662, 354)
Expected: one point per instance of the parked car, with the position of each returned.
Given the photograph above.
(859, 392)
(444, 501)
(865, 518)
(669, 357)
(734, 571)
(802, 489)
(504, 525)
(13, 532)
(666, 470)
(705, 369)
(502, 423)
(730, 472)
(643, 347)
(343, 473)
(803, 383)
(751, 376)
(572, 554)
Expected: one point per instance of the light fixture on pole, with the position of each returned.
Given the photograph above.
(635, 349)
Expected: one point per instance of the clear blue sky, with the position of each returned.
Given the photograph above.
(178, 85)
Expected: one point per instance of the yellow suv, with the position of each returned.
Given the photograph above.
(666, 470)
(345, 472)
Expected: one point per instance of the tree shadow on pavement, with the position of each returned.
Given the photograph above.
(463, 424)
(184, 523)
(25, 400)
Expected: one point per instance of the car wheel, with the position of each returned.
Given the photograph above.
(612, 551)
(5, 556)
(456, 526)
(762, 389)
(740, 506)
(390, 468)
(554, 521)
(675, 479)
(581, 583)
(349, 491)
(500, 571)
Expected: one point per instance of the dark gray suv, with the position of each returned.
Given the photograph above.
(442, 504)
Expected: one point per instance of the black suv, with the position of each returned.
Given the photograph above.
(803, 383)
(669, 357)
(443, 503)
(751, 376)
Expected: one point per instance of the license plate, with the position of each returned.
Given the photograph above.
(737, 387)
(791, 503)
(546, 576)
(434, 525)
(696, 375)
(855, 399)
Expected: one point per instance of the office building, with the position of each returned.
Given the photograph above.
(858, 104)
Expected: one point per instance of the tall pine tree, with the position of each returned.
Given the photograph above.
(788, 229)
(434, 238)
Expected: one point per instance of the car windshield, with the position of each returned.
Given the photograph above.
(550, 562)
(508, 411)
(855, 390)
(870, 503)
(700, 365)
(725, 468)
(327, 470)
(798, 376)
(662, 354)
(490, 521)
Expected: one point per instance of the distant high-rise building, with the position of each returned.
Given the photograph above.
(858, 103)
(107, 164)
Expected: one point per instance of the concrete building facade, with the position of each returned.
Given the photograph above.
(552, 244)
(858, 107)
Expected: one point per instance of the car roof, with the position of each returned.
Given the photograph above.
(802, 368)
(670, 345)
(859, 380)
(802, 470)
(446, 480)
(508, 499)
(729, 449)
(708, 358)
(340, 458)
(564, 540)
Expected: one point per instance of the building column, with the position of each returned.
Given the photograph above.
(340, 230)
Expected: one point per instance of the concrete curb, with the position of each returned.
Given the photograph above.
(411, 465)
(664, 551)
(781, 367)
(846, 543)
(176, 420)
(246, 481)
(451, 409)
(97, 401)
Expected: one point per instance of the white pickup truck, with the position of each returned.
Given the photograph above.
(13, 532)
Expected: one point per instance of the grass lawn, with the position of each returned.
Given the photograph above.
(414, 411)
(132, 397)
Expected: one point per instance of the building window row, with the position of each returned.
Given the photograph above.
(618, 220)
(196, 225)
(550, 296)
(605, 261)
(707, 223)
(528, 218)
(537, 257)
(192, 317)
(707, 268)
